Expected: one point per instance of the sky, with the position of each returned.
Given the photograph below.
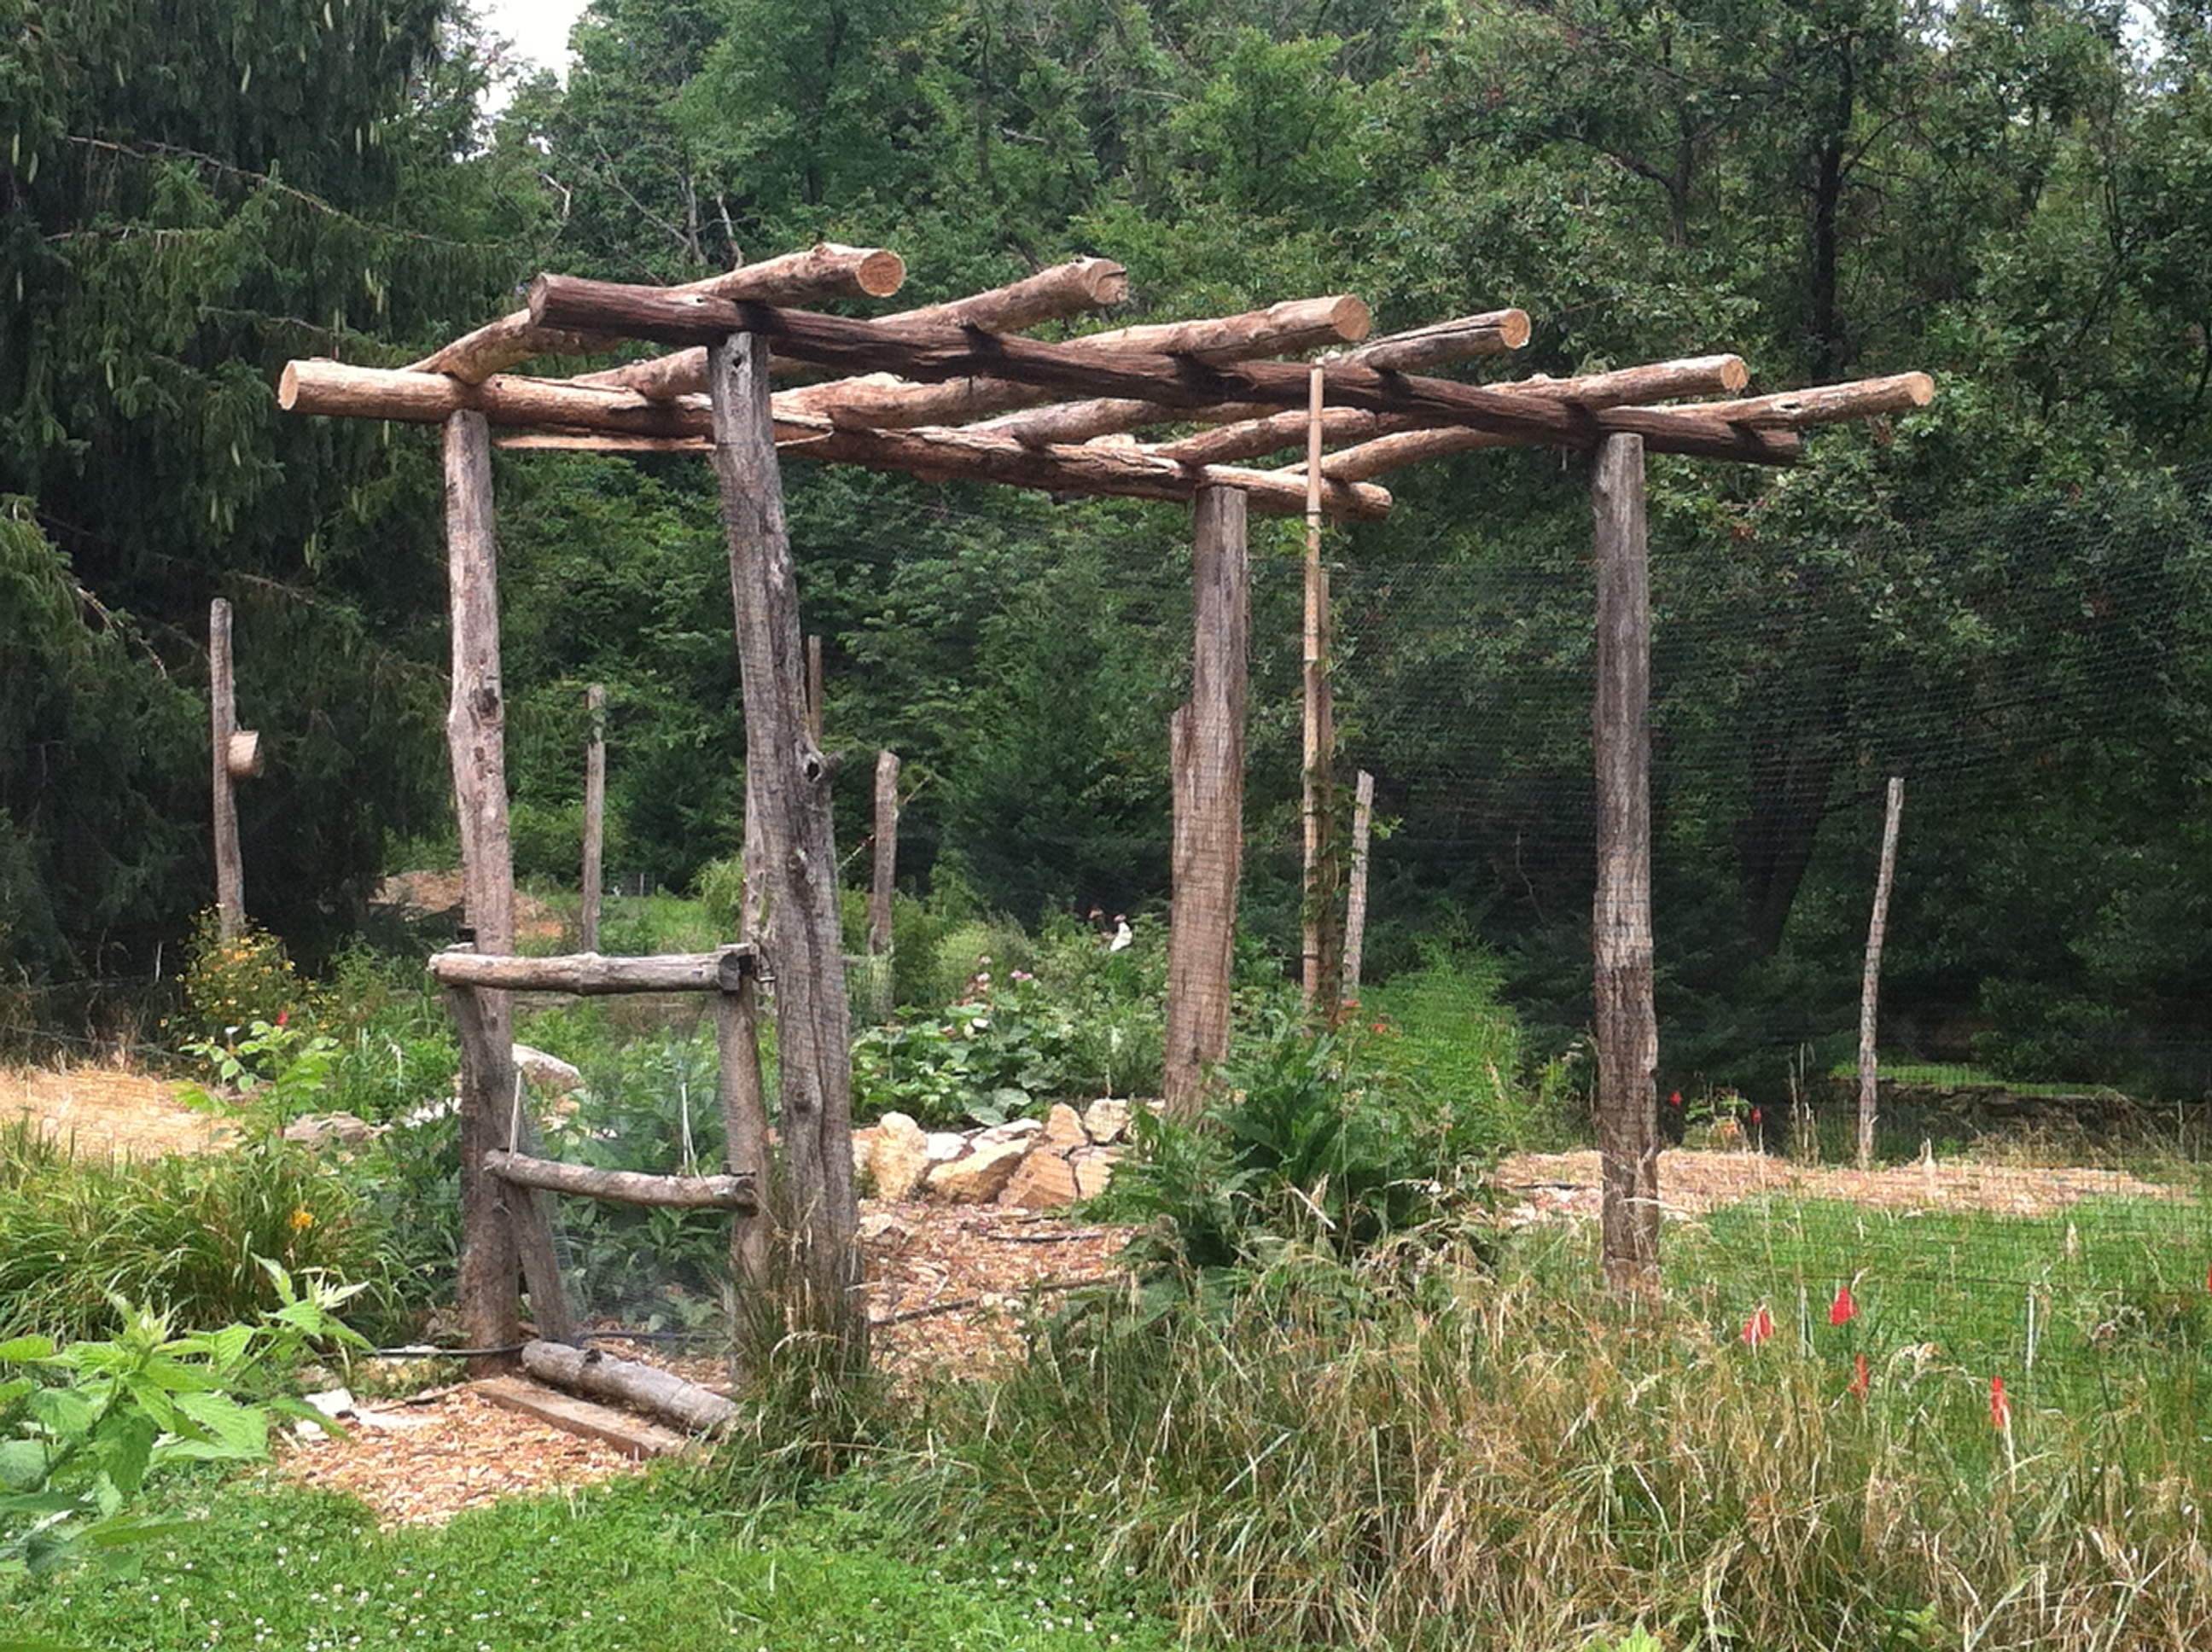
(539, 28)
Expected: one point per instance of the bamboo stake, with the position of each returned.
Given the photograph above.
(1322, 963)
(595, 808)
(1871, 988)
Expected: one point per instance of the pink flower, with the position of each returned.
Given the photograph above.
(2000, 1407)
(1861, 1378)
(1845, 1308)
(1758, 1327)
(283, 1016)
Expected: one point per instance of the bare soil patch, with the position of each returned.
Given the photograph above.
(1548, 1185)
(101, 1111)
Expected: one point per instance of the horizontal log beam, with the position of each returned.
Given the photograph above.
(962, 456)
(935, 354)
(596, 1376)
(339, 389)
(717, 1193)
(827, 270)
(1698, 375)
(1369, 459)
(1050, 295)
(591, 975)
(1798, 410)
(1497, 332)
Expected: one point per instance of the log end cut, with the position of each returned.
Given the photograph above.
(880, 271)
(1349, 314)
(1513, 328)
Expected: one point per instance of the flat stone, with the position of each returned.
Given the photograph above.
(1093, 1168)
(342, 1128)
(1011, 1130)
(979, 1178)
(901, 1157)
(1045, 1181)
(549, 1072)
(1063, 1129)
(1106, 1119)
(945, 1145)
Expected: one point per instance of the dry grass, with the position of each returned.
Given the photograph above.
(106, 1112)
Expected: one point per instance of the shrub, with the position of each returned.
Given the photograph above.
(229, 985)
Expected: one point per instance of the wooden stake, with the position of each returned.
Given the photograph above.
(882, 886)
(595, 809)
(1627, 1029)
(1323, 940)
(1207, 737)
(790, 782)
(1355, 903)
(1871, 988)
(814, 689)
(744, 1123)
(222, 724)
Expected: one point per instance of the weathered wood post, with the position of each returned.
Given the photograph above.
(1323, 939)
(1871, 988)
(789, 778)
(814, 689)
(1627, 1027)
(476, 735)
(883, 884)
(1355, 900)
(236, 755)
(1207, 736)
(595, 812)
(745, 1110)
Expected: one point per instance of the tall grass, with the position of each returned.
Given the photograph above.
(1417, 1451)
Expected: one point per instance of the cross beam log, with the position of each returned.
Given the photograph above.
(1796, 409)
(720, 1192)
(826, 271)
(934, 355)
(589, 975)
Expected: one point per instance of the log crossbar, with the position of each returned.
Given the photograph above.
(589, 975)
(719, 1193)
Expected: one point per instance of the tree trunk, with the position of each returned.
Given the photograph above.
(1870, 987)
(223, 724)
(790, 781)
(1208, 758)
(595, 810)
(1627, 1029)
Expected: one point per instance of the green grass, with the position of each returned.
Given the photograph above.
(1948, 1076)
(633, 1567)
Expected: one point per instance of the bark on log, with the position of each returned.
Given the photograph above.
(820, 272)
(1696, 376)
(1462, 339)
(1870, 987)
(744, 1124)
(1797, 409)
(790, 780)
(596, 1376)
(223, 721)
(1627, 1030)
(595, 810)
(722, 1193)
(490, 1311)
(1355, 901)
(1208, 740)
(1072, 472)
(935, 354)
(587, 974)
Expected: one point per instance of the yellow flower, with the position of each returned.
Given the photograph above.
(303, 1219)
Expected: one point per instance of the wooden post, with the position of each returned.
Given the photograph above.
(222, 721)
(1871, 988)
(789, 780)
(814, 689)
(1208, 759)
(1324, 939)
(595, 810)
(1355, 903)
(1627, 1028)
(880, 889)
(744, 1114)
(475, 722)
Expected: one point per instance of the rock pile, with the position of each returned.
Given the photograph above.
(1037, 1165)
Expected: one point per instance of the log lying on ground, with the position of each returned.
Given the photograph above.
(1064, 289)
(826, 271)
(588, 975)
(1468, 336)
(1698, 375)
(936, 353)
(717, 1193)
(602, 1377)
(962, 456)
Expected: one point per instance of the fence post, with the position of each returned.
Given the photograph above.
(595, 810)
(881, 887)
(236, 755)
(1355, 900)
(1871, 988)
(1324, 939)
(1627, 1029)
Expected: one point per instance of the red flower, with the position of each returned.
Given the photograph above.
(1758, 1327)
(283, 1016)
(2000, 1407)
(1754, 1115)
(2207, 1279)
(1862, 1379)
(1845, 1308)
(1675, 1099)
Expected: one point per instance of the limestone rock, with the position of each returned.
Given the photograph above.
(548, 1072)
(1092, 1168)
(343, 1129)
(1011, 1130)
(1063, 1129)
(901, 1157)
(1045, 1181)
(864, 1149)
(945, 1145)
(979, 1178)
(1106, 1119)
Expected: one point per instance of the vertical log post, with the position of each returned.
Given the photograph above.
(1355, 901)
(788, 779)
(814, 689)
(1208, 759)
(1871, 988)
(476, 725)
(595, 812)
(1627, 1028)
(744, 1111)
(881, 887)
(1324, 939)
(222, 724)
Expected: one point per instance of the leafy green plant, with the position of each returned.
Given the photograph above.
(83, 1426)
(232, 985)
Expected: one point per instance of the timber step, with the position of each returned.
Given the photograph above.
(626, 1432)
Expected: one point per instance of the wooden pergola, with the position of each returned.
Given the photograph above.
(1207, 412)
